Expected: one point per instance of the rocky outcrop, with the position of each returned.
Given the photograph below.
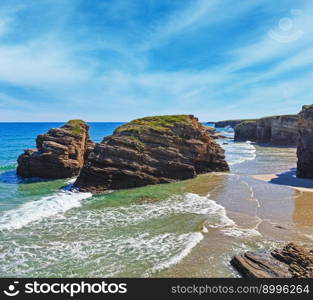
(230, 123)
(276, 130)
(246, 131)
(291, 261)
(151, 150)
(60, 152)
(305, 145)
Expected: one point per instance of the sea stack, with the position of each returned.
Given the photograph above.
(151, 150)
(60, 152)
(305, 143)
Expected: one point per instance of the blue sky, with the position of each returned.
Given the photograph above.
(117, 60)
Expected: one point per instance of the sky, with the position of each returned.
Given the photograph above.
(118, 60)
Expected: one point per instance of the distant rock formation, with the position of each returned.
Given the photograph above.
(305, 145)
(60, 153)
(215, 134)
(151, 150)
(291, 261)
(276, 130)
(230, 123)
(246, 131)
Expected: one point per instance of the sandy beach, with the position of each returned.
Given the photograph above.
(287, 179)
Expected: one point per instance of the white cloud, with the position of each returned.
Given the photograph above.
(59, 69)
(40, 63)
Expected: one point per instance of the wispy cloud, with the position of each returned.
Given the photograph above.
(118, 60)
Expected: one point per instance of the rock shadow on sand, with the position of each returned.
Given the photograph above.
(290, 178)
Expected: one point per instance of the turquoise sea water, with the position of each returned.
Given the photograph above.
(46, 230)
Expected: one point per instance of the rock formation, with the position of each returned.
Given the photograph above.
(291, 261)
(60, 153)
(246, 131)
(151, 150)
(215, 134)
(276, 130)
(231, 123)
(305, 145)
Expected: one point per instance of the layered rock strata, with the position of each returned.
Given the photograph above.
(151, 150)
(291, 261)
(60, 152)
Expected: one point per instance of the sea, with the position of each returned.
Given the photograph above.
(189, 228)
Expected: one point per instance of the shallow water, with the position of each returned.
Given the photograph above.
(189, 228)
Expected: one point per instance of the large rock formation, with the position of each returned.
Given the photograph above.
(305, 145)
(151, 150)
(60, 153)
(291, 261)
(276, 130)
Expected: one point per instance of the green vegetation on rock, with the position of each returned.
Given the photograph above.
(76, 126)
(158, 123)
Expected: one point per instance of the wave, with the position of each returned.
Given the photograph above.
(237, 153)
(111, 217)
(137, 240)
(7, 167)
(37, 210)
(192, 241)
(241, 232)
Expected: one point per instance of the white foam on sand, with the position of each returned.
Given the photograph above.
(45, 207)
(104, 241)
(192, 240)
(241, 232)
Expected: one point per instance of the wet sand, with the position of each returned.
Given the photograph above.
(268, 210)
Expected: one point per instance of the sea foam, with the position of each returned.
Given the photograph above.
(37, 210)
(237, 153)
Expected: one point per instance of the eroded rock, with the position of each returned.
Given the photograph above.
(60, 152)
(291, 261)
(305, 145)
(151, 150)
(276, 130)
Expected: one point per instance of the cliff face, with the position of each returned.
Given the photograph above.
(151, 150)
(276, 130)
(246, 131)
(60, 152)
(305, 145)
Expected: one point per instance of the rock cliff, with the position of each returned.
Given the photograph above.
(246, 131)
(60, 152)
(291, 261)
(151, 150)
(276, 130)
(305, 145)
